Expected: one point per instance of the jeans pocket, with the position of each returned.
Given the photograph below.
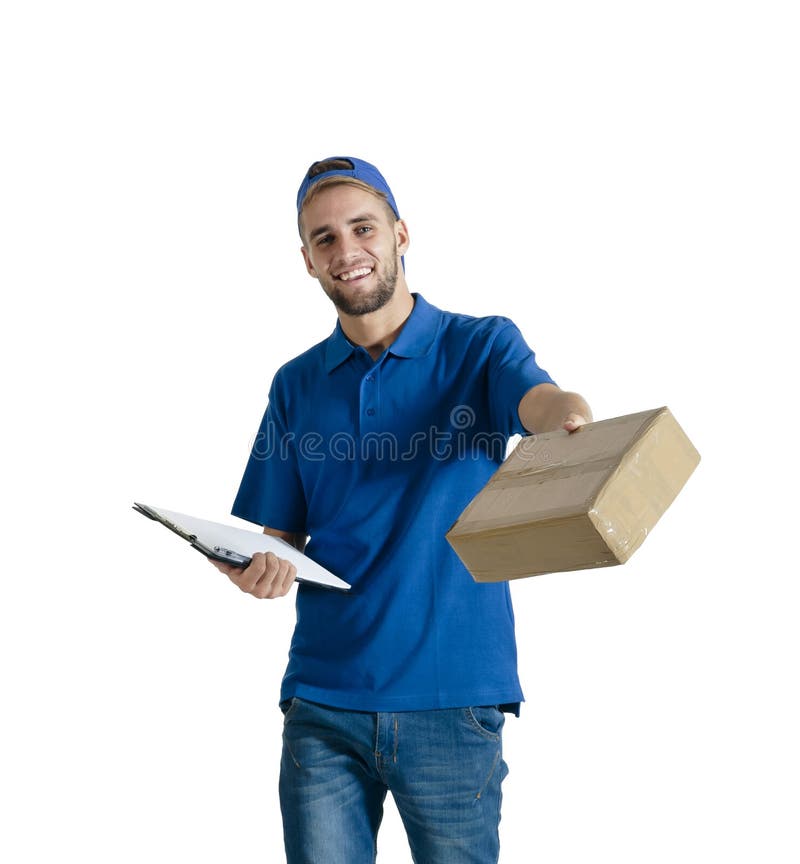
(487, 720)
(288, 707)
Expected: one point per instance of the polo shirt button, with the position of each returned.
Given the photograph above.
(370, 412)
(370, 378)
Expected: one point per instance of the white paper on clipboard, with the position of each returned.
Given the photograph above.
(214, 538)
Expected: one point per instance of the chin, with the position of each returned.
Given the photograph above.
(376, 299)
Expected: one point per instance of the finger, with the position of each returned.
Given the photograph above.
(573, 421)
(225, 567)
(246, 579)
(272, 566)
(278, 582)
(221, 566)
(283, 587)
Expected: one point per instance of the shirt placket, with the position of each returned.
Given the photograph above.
(369, 400)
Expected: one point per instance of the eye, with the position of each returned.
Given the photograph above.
(363, 229)
(324, 240)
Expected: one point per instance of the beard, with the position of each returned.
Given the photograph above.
(376, 299)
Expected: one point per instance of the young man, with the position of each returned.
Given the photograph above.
(372, 444)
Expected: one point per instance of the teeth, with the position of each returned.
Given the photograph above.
(353, 274)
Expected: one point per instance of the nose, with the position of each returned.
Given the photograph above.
(348, 248)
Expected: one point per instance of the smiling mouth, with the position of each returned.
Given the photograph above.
(351, 275)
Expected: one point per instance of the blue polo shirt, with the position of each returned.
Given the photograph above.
(375, 460)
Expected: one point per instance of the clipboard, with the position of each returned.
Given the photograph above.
(236, 546)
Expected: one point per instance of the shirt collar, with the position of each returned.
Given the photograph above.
(337, 349)
(415, 339)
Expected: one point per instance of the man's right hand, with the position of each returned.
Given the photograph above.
(267, 575)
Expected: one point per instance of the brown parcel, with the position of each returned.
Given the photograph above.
(564, 501)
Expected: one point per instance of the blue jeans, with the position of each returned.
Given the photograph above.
(444, 769)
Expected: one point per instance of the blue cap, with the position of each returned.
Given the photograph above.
(360, 170)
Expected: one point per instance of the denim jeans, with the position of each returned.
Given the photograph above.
(444, 769)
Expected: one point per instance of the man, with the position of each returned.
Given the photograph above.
(373, 442)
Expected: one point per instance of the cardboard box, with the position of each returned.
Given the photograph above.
(564, 501)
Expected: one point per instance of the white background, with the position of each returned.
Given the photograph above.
(620, 178)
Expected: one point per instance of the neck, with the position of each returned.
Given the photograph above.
(376, 331)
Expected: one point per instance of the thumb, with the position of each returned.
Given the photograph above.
(573, 421)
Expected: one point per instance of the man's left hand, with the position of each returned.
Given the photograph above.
(573, 421)
(545, 408)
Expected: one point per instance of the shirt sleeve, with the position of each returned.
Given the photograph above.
(271, 491)
(513, 370)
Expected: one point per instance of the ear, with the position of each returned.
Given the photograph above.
(401, 236)
(307, 260)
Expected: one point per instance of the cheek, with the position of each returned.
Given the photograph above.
(314, 264)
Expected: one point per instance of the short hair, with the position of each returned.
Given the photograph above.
(340, 180)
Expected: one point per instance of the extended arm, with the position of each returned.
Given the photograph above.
(546, 407)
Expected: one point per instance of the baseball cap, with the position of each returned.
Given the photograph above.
(358, 168)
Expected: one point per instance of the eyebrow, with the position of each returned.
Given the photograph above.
(324, 229)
